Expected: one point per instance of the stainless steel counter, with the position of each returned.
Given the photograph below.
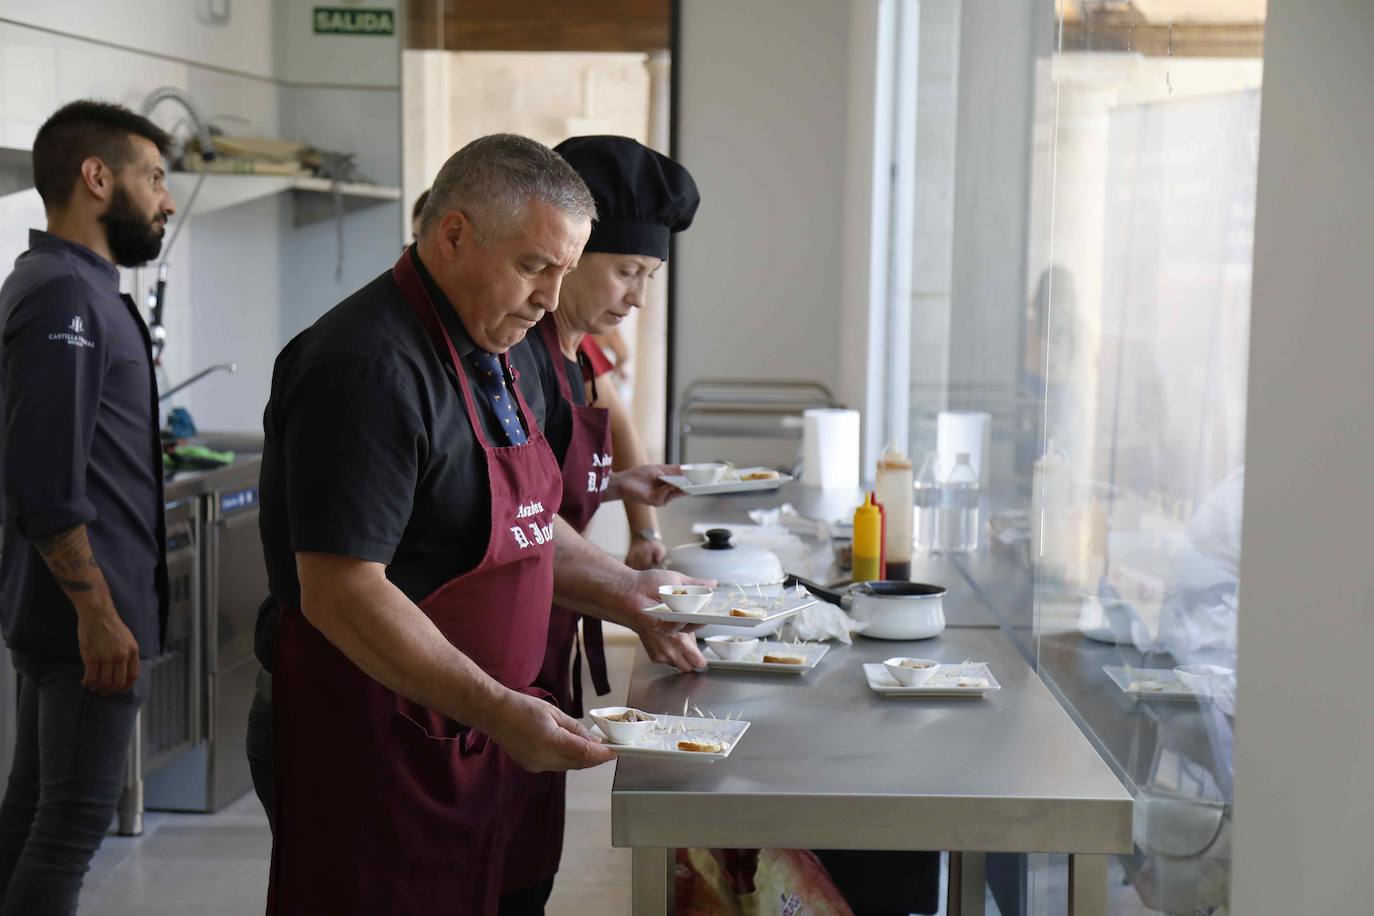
(828, 764)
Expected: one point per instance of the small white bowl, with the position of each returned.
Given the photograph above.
(685, 599)
(1203, 680)
(912, 677)
(705, 473)
(732, 648)
(622, 732)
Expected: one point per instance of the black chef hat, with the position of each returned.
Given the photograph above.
(641, 196)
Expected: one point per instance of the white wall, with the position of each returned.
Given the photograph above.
(368, 122)
(184, 30)
(243, 280)
(303, 57)
(40, 71)
(1305, 735)
(762, 114)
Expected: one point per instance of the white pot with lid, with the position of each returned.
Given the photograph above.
(899, 610)
(733, 566)
(892, 609)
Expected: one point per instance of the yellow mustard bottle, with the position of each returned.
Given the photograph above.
(868, 541)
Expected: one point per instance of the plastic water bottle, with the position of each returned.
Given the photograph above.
(959, 507)
(926, 506)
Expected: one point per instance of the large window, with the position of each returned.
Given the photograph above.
(1139, 322)
(1081, 250)
(1136, 337)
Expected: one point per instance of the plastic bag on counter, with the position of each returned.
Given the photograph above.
(822, 621)
(786, 516)
(755, 882)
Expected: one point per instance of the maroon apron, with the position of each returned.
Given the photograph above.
(536, 843)
(383, 805)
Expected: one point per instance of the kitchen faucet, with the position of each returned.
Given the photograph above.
(198, 122)
(156, 296)
(218, 367)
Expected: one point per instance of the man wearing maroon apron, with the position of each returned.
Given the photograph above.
(408, 500)
(641, 197)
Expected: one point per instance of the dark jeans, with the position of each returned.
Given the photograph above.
(260, 745)
(522, 903)
(68, 772)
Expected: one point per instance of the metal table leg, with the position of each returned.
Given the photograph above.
(967, 884)
(651, 881)
(130, 811)
(1087, 885)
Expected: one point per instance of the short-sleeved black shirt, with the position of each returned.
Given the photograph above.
(368, 451)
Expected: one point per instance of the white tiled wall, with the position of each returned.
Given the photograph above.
(243, 280)
(39, 72)
(42, 71)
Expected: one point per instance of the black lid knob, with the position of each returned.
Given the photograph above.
(718, 539)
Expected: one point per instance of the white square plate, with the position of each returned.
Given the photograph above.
(1150, 683)
(717, 610)
(726, 486)
(812, 652)
(942, 684)
(662, 741)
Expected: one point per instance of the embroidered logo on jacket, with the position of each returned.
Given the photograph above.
(74, 336)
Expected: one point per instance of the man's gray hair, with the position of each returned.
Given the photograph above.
(494, 179)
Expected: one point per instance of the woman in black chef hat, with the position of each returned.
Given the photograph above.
(642, 197)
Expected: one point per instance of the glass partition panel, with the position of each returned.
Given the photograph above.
(1139, 320)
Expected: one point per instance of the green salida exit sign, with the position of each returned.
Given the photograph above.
(342, 20)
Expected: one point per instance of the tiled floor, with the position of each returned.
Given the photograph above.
(216, 865)
(184, 864)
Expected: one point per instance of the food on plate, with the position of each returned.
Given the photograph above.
(630, 715)
(977, 682)
(681, 591)
(784, 659)
(913, 663)
(701, 745)
(752, 613)
(760, 475)
(1145, 687)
